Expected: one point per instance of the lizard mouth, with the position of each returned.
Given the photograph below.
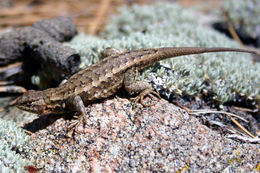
(30, 108)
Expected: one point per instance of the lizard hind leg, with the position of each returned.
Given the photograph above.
(110, 51)
(146, 92)
(142, 88)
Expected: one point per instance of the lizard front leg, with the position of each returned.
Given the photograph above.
(142, 88)
(75, 103)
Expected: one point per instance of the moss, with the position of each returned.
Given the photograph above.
(225, 75)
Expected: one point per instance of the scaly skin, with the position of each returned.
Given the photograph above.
(104, 79)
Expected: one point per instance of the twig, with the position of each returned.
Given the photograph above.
(229, 115)
(233, 33)
(231, 28)
(9, 66)
(245, 139)
(12, 89)
(242, 109)
(100, 14)
(220, 112)
(4, 83)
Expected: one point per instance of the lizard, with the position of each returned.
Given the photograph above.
(104, 78)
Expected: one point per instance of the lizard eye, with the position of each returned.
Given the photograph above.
(29, 104)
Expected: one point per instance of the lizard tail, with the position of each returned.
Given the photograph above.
(168, 52)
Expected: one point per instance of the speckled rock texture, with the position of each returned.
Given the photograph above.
(161, 138)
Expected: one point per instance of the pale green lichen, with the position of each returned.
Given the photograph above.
(13, 142)
(226, 75)
(244, 14)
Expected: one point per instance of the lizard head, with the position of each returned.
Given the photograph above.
(32, 101)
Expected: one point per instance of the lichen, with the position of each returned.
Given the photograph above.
(13, 143)
(225, 75)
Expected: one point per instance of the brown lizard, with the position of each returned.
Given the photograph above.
(105, 78)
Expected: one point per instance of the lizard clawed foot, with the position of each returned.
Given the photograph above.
(74, 126)
(146, 92)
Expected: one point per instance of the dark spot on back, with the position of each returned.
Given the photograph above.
(109, 79)
(81, 82)
(111, 67)
(125, 60)
(115, 56)
(97, 73)
(90, 80)
(117, 64)
(103, 83)
(94, 76)
(98, 65)
(104, 61)
(104, 70)
(96, 89)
